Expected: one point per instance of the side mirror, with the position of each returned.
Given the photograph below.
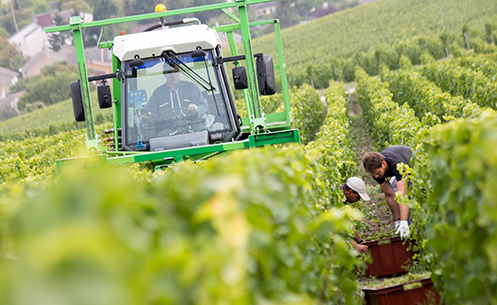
(198, 53)
(77, 102)
(104, 97)
(265, 75)
(136, 62)
(240, 78)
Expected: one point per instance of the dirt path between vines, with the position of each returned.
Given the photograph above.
(377, 216)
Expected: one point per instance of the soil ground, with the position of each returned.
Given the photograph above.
(377, 216)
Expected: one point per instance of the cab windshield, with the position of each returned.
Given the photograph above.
(171, 96)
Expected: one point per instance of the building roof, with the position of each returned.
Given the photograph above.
(61, 55)
(66, 14)
(5, 71)
(32, 61)
(93, 54)
(23, 32)
(44, 20)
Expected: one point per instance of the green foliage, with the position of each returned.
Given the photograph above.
(7, 112)
(10, 57)
(58, 40)
(50, 87)
(391, 124)
(240, 234)
(409, 277)
(19, 86)
(40, 6)
(77, 5)
(34, 159)
(50, 121)
(23, 17)
(426, 99)
(456, 80)
(319, 75)
(426, 58)
(413, 52)
(457, 208)
(405, 63)
(271, 103)
(451, 181)
(103, 9)
(484, 63)
(4, 33)
(489, 29)
(481, 46)
(308, 112)
(334, 143)
(345, 33)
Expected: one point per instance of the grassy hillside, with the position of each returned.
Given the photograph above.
(360, 29)
(50, 117)
(377, 24)
(61, 112)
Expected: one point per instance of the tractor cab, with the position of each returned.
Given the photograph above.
(174, 90)
(172, 93)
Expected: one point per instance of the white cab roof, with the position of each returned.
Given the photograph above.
(154, 43)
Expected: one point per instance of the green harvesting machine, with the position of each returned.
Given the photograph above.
(172, 97)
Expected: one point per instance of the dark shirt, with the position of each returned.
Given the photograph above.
(394, 155)
(160, 102)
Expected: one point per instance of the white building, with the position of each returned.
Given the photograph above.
(30, 40)
(7, 79)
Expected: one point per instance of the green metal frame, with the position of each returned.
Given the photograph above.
(264, 129)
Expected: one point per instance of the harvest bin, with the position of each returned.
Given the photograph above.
(411, 293)
(389, 255)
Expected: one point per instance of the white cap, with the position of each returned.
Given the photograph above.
(359, 186)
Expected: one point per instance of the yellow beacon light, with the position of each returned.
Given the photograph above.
(160, 8)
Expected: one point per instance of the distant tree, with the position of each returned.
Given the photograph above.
(306, 7)
(10, 57)
(40, 6)
(21, 4)
(23, 17)
(285, 10)
(137, 7)
(489, 28)
(77, 5)
(7, 23)
(50, 87)
(104, 9)
(58, 40)
(7, 112)
(127, 9)
(4, 33)
(34, 106)
(19, 86)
